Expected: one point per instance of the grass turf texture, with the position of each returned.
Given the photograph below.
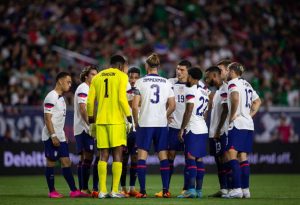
(265, 189)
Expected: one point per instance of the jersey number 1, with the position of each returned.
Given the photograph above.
(106, 88)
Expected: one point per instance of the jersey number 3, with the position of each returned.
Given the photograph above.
(156, 94)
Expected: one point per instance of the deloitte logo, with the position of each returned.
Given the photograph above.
(34, 159)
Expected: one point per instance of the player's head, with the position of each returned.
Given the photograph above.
(134, 74)
(63, 81)
(182, 70)
(235, 70)
(194, 75)
(152, 63)
(223, 65)
(88, 73)
(213, 76)
(118, 61)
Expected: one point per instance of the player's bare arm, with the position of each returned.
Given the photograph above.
(49, 125)
(186, 118)
(135, 109)
(255, 107)
(222, 120)
(234, 98)
(171, 106)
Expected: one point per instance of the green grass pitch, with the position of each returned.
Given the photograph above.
(265, 189)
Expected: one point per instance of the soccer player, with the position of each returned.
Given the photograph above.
(131, 149)
(157, 104)
(217, 131)
(54, 139)
(84, 142)
(178, 86)
(108, 90)
(196, 133)
(243, 103)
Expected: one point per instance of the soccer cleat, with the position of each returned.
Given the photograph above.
(133, 193)
(87, 191)
(181, 194)
(77, 194)
(125, 193)
(191, 193)
(235, 193)
(219, 193)
(95, 194)
(55, 194)
(159, 194)
(102, 195)
(246, 193)
(116, 195)
(167, 195)
(140, 195)
(199, 194)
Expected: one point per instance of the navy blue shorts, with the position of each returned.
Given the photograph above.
(159, 135)
(131, 145)
(54, 153)
(240, 140)
(218, 147)
(84, 142)
(173, 141)
(195, 144)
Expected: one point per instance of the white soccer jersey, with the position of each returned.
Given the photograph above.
(199, 97)
(154, 91)
(179, 92)
(80, 97)
(219, 99)
(202, 85)
(246, 96)
(55, 105)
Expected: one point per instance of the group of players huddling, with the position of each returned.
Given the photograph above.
(124, 117)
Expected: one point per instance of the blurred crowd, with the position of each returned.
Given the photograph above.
(263, 35)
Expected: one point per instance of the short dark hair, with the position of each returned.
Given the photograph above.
(213, 69)
(117, 59)
(195, 72)
(237, 68)
(134, 70)
(62, 75)
(185, 63)
(224, 62)
(86, 71)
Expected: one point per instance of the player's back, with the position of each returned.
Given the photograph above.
(80, 96)
(154, 91)
(246, 96)
(107, 85)
(199, 96)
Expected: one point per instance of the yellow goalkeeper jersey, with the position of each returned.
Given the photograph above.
(108, 91)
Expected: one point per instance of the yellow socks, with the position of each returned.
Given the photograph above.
(102, 173)
(116, 172)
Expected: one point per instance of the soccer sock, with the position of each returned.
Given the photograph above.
(245, 174)
(200, 175)
(79, 174)
(102, 173)
(236, 173)
(165, 174)
(124, 173)
(86, 166)
(221, 174)
(185, 178)
(49, 173)
(116, 172)
(192, 172)
(67, 172)
(228, 172)
(171, 163)
(141, 172)
(95, 174)
(132, 174)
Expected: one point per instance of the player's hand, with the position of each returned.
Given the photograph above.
(170, 119)
(217, 135)
(129, 127)
(55, 141)
(92, 130)
(180, 136)
(232, 119)
(129, 119)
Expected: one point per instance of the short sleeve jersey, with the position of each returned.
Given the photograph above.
(80, 97)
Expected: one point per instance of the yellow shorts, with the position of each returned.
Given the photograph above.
(109, 136)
